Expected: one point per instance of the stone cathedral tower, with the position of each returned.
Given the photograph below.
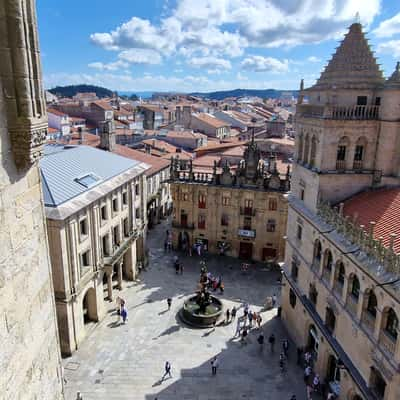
(29, 357)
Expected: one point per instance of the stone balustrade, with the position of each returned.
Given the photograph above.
(354, 112)
(385, 257)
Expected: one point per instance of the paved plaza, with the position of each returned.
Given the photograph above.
(127, 361)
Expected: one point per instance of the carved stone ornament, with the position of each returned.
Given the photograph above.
(27, 142)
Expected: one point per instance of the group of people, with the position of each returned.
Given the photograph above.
(121, 309)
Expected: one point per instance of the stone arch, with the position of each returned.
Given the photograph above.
(313, 152)
(359, 152)
(89, 306)
(306, 148)
(354, 286)
(328, 259)
(340, 272)
(371, 302)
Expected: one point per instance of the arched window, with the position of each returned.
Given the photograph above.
(328, 260)
(330, 319)
(341, 153)
(372, 304)
(317, 253)
(300, 151)
(313, 150)
(359, 153)
(341, 273)
(306, 149)
(392, 323)
(355, 288)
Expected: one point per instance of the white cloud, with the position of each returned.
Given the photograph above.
(265, 64)
(209, 62)
(113, 66)
(227, 27)
(140, 56)
(314, 59)
(389, 27)
(391, 47)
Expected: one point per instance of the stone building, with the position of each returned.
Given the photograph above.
(240, 214)
(95, 209)
(30, 357)
(210, 125)
(340, 295)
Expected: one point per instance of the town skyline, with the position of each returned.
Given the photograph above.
(189, 46)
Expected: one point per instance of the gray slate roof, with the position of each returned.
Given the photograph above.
(61, 166)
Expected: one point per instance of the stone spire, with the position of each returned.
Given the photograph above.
(394, 80)
(353, 66)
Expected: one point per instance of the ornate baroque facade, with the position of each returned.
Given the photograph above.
(242, 214)
(340, 297)
(30, 358)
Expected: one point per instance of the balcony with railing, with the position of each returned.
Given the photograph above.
(182, 225)
(387, 342)
(340, 165)
(354, 112)
(358, 164)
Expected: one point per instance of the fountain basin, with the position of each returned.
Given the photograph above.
(191, 314)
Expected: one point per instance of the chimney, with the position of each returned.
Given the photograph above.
(107, 136)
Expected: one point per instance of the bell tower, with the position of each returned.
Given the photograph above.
(338, 125)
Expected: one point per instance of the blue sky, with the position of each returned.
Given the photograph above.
(203, 45)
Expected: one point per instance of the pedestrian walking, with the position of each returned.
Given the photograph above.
(169, 302)
(271, 341)
(214, 365)
(299, 355)
(228, 315)
(254, 318)
(274, 300)
(307, 374)
(181, 268)
(233, 312)
(167, 369)
(307, 358)
(124, 314)
(250, 317)
(118, 305)
(237, 331)
(260, 341)
(246, 310)
(316, 383)
(259, 320)
(293, 397)
(285, 347)
(244, 335)
(176, 264)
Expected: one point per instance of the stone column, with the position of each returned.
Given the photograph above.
(378, 323)
(119, 274)
(345, 289)
(360, 305)
(108, 270)
(72, 239)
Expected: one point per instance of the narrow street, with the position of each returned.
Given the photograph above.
(127, 361)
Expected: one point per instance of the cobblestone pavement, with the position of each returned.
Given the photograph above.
(127, 361)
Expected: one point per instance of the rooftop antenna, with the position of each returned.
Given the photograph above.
(357, 18)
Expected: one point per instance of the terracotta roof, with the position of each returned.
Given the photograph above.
(206, 161)
(234, 151)
(218, 146)
(167, 147)
(52, 130)
(185, 134)
(157, 164)
(103, 104)
(56, 112)
(210, 120)
(77, 119)
(381, 206)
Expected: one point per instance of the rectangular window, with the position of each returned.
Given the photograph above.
(83, 227)
(362, 100)
(137, 189)
(271, 225)
(137, 213)
(115, 232)
(224, 220)
(104, 245)
(115, 204)
(247, 223)
(377, 101)
(126, 227)
(299, 232)
(103, 211)
(225, 201)
(292, 298)
(295, 269)
(85, 259)
(248, 203)
(201, 222)
(125, 198)
(202, 201)
(272, 204)
(302, 194)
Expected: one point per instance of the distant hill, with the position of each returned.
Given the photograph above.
(72, 90)
(263, 93)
